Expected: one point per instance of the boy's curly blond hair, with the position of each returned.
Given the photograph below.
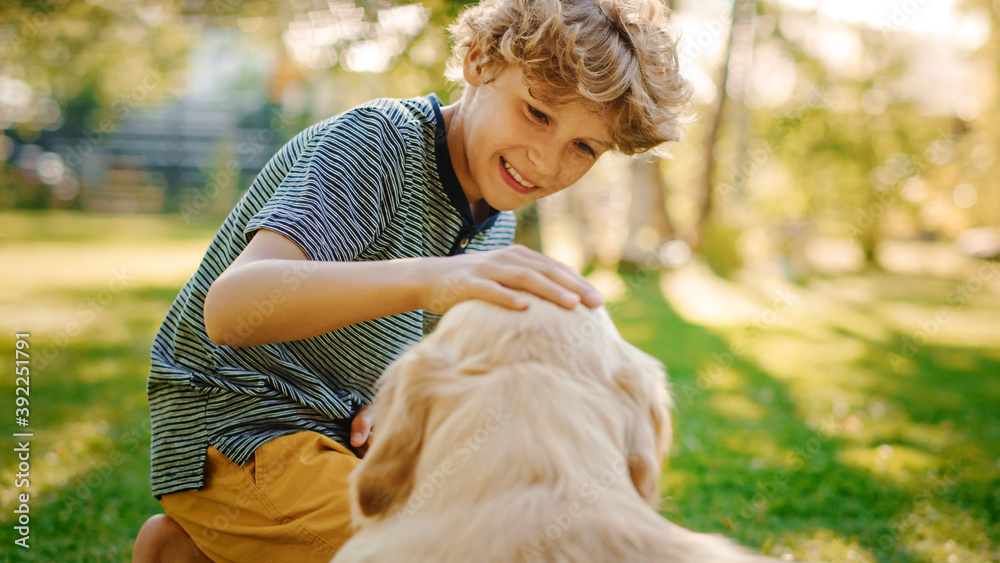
(621, 54)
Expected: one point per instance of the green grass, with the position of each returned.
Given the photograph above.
(810, 431)
(826, 438)
(92, 291)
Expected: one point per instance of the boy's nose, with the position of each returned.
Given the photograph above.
(544, 156)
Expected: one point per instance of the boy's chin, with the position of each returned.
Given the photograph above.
(512, 201)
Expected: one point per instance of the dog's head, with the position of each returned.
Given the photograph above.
(477, 339)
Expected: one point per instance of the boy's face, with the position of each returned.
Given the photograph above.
(511, 149)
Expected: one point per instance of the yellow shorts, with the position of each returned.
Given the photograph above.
(289, 502)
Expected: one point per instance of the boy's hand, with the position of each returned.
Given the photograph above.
(361, 429)
(496, 276)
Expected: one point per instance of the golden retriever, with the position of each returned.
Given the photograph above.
(510, 436)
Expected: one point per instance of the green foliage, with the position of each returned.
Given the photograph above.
(720, 248)
(83, 57)
(854, 151)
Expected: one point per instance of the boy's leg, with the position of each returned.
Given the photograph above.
(161, 540)
(288, 503)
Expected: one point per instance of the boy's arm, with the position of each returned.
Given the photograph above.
(272, 292)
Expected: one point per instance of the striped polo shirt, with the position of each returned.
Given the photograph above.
(373, 183)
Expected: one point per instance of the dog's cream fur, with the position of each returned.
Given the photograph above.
(521, 436)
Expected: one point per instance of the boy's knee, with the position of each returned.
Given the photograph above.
(162, 539)
(153, 537)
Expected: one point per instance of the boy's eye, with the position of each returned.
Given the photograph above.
(538, 115)
(584, 147)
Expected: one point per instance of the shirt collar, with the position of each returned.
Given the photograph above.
(448, 178)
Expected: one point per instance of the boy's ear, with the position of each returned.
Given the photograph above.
(474, 66)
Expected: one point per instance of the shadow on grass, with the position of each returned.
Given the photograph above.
(950, 394)
(777, 477)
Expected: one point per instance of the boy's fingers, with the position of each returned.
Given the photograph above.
(593, 298)
(587, 294)
(573, 280)
(361, 425)
(494, 292)
(542, 285)
(360, 445)
(565, 276)
(507, 273)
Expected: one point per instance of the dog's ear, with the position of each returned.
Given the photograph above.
(385, 476)
(648, 434)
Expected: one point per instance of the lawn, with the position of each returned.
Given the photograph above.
(850, 418)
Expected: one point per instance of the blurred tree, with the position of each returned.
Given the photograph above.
(83, 68)
(84, 64)
(713, 237)
(983, 165)
(855, 141)
(822, 142)
(78, 62)
(799, 144)
(729, 86)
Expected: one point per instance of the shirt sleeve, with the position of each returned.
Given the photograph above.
(342, 189)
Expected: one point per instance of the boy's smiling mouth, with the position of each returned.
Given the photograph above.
(514, 178)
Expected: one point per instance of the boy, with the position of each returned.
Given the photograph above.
(353, 238)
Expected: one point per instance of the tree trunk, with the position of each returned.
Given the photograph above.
(740, 29)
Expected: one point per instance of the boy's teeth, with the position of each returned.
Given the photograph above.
(516, 175)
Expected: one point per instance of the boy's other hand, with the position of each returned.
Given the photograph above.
(361, 429)
(496, 276)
